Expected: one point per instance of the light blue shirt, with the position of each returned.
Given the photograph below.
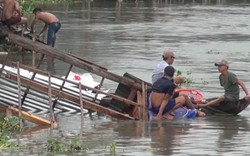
(158, 72)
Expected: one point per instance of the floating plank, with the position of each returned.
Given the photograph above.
(3, 53)
(30, 117)
(25, 115)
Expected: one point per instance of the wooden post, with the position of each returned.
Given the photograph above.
(32, 78)
(19, 96)
(144, 102)
(81, 105)
(52, 117)
(7, 58)
(139, 101)
(33, 54)
(61, 87)
(99, 87)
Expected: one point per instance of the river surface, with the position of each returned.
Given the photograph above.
(132, 39)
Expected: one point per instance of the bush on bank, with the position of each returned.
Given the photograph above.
(28, 5)
(8, 128)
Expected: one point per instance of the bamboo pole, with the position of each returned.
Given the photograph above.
(33, 54)
(139, 101)
(7, 58)
(52, 117)
(144, 101)
(19, 96)
(81, 105)
(61, 87)
(32, 78)
(99, 87)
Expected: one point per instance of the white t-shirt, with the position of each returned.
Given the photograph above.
(158, 72)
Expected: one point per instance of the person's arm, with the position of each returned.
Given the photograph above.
(162, 106)
(178, 80)
(243, 86)
(17, 6)
(43, 30)
(33, 24)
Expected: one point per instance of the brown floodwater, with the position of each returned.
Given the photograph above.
(131, 39)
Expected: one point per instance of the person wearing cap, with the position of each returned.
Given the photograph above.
(168, 59)
(160, 100)
(231, 84)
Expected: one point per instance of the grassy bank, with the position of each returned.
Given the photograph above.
(8, 127)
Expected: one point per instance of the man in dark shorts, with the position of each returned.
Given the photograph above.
(51, 22)
(161, 96)
(11, 14)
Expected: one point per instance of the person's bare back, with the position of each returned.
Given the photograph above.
(50, 21)
(47, 17)
(10, 6)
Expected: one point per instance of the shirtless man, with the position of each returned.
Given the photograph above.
(11, 14)
(50, 21)
(161, 96)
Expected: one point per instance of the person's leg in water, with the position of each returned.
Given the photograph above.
(51, 37)
(179, 101)
(190, 105)
(52, 30)
(215, 102)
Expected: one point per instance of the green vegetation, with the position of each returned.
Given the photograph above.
(8, 127)
(112, 149)
(213, 52)
(55, 146)
(3, 45)
(60, 146)
(28, 5)
(188, 80)
(74, 145)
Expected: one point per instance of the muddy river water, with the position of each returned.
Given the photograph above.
(131, 39)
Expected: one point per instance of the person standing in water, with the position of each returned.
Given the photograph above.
(51, 22)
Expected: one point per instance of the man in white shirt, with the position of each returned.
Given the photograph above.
(168, 59)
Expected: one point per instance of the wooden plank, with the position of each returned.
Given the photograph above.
(87, 61)
(144, 102)
(87, 104)
(139, 100)
(60, 55)
(27, 116)
(30, 117)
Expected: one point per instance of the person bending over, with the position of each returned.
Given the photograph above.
(51, 22)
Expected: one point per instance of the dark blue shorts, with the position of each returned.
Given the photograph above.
(12, 21)
(53, 29)
(170, 106)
